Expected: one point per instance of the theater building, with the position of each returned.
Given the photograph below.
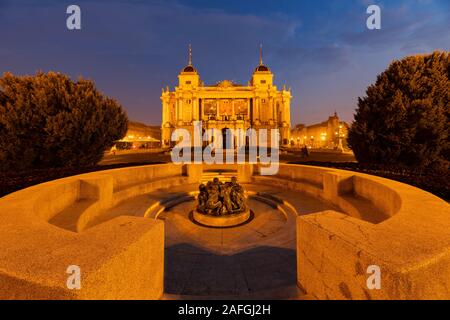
(257, 105)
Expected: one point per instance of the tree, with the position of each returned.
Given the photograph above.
(48, 120)
(404, 118)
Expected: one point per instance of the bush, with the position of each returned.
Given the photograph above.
(404, 117)
(48, 121)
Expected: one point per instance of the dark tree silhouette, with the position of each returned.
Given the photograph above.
(48, 120)
(404, 118)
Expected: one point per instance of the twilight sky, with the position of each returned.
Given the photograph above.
(133, 48)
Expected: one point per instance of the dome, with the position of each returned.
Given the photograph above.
(262, 68)
(189, 68)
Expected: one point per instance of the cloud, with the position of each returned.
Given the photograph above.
(132, 48)
(325, 59)
(410, 26)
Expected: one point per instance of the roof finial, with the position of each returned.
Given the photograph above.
(260, 54)
(190, 55)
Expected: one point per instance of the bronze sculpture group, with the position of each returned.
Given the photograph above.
(217, 198)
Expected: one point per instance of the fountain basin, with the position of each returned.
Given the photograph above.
(226, 221)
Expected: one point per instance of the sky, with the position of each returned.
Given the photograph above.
(322, 49)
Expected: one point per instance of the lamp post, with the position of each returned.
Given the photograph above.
(340, 146)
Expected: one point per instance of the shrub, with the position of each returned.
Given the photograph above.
(404, 117)
(48, 120)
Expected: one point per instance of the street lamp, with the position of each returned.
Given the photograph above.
(340, 146)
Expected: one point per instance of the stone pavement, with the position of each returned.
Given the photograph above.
(253, 261)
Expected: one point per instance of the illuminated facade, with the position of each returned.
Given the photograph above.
(226, 104)
(330, 134)
(140, 136)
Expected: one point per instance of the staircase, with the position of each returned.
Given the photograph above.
(224, 176)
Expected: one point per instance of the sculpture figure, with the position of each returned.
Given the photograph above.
(225, 193)
(202, 198)
(217, 198)
(237, 195)
(213, 203)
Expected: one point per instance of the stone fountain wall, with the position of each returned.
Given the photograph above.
(401, 229)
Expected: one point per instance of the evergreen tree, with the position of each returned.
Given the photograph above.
(404, 118)
(48, 120)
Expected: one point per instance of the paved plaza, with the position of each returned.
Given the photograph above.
(144, 156)
(255, 260)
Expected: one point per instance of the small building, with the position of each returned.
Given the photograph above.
(140, 136)
(330, 134)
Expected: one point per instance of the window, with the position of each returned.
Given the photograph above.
(188, 82)
(263, 81)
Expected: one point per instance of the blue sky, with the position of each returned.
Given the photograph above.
(131, 49)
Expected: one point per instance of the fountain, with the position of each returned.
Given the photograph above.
(221, 205)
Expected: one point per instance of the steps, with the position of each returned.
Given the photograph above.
(165, 204)
(224, 176)
(290, 292)
(68, 218)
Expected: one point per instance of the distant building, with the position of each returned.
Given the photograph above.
(226, 105)
(330, 134)
(141, 136)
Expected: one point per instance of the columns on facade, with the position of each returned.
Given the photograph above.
(217, 109)
(194, 115)
(257, 107)
(202, 115)
(271, 109)
(287, 112)
(176, 109)
(164, 111)
(191, 110)
(249, 113)
(233, 114)
(275, 111)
